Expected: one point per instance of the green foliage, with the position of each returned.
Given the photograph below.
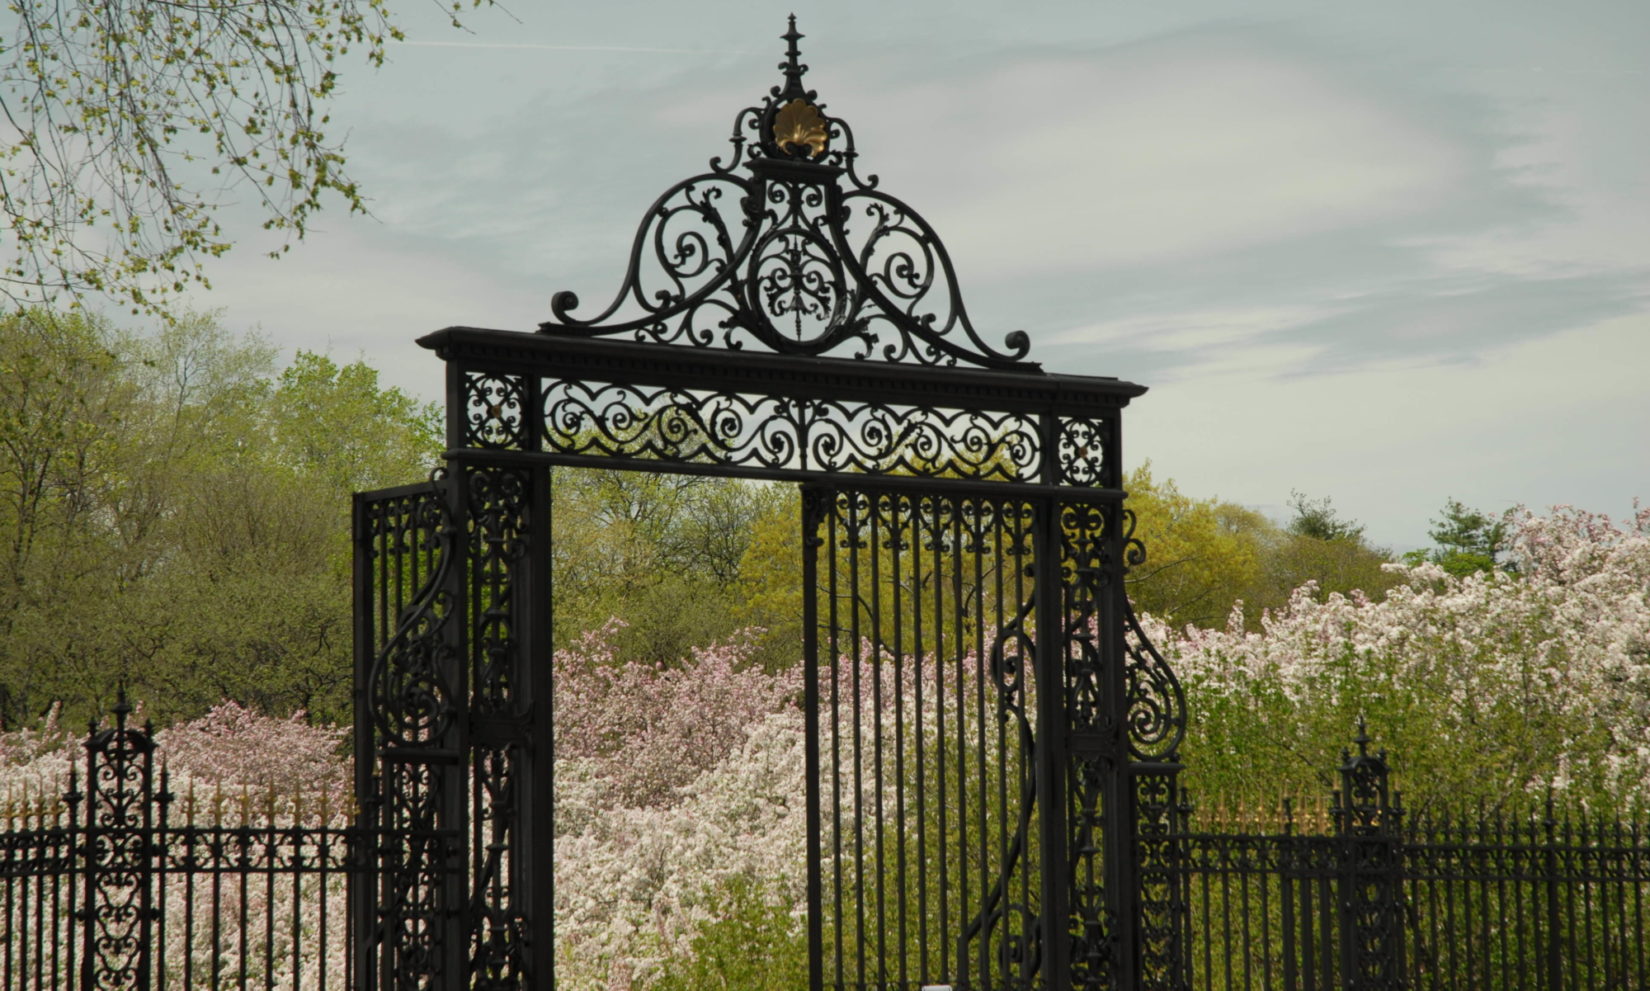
(667, 555)
(755, 941)
(1485, 686)
(132, 122)
(176, 515)
(1317, 518)
(1204, 556)
(1466, 540)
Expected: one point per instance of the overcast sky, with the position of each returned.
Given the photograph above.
(1387, 253)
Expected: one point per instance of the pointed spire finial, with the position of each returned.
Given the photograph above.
(123, 708)
(1362, 739)
(792, 67)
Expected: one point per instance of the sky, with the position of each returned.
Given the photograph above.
(1386, 253)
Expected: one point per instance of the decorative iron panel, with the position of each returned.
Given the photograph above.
(1086, 452)
(701, 426)
(410, 690)
(496, 516)
(119, 807)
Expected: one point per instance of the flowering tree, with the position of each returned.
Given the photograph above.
(1484, 685)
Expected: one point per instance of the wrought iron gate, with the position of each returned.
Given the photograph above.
(991, 739)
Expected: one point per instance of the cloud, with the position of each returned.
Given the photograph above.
(1170, 152)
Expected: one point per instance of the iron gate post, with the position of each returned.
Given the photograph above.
(506, 885)
(1370, 895)
(118, 855)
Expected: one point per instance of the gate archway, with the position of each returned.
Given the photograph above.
(991, 751)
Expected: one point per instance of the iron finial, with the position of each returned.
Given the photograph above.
(792, 67)
(1362, 739)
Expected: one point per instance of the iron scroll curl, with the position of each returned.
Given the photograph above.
(1155, 711)
(412, 699)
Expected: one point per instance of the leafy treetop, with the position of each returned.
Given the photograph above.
(129, 123)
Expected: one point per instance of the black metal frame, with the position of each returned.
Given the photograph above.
(782, 318)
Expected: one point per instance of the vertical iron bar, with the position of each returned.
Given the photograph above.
(1636, 836)
(877, 538)
(839, 921)
(951, 969)
(1555, 959)
(450, 772)
(1226, 925)
(856, 600)
(1572, 952)
(929, 973)
(813, 506)
(1209, 929)
(896, 591)
(959, 648)
(361, 882)
(532, 859)
(1244, 946)
(1052, 762)
(1265, 922)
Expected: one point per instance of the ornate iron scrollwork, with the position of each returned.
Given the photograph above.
(1153, 699)
(705, 427)
(1084, 452)
(1009, 925)
(496, 509)
(120, 800)
(789, 259)
(1084, 529)
(495, 411)
(409, 682)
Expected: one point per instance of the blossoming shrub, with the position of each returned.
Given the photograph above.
(681, 816)
(1491, 686)
(678, 794)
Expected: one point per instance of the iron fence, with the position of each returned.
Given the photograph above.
(1364, 895)
(111, 885)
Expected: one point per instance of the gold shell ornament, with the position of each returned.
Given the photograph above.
(798, 125)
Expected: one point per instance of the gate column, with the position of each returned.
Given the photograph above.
(507, 912)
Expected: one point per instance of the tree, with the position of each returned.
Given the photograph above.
(1484, 685)
(130, 123)
(1466, 540)
(1317, 518)
(1202, 555)
(1320, 546)
(665, 554)
(176, 515)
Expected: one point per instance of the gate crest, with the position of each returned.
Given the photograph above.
(800, 256)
